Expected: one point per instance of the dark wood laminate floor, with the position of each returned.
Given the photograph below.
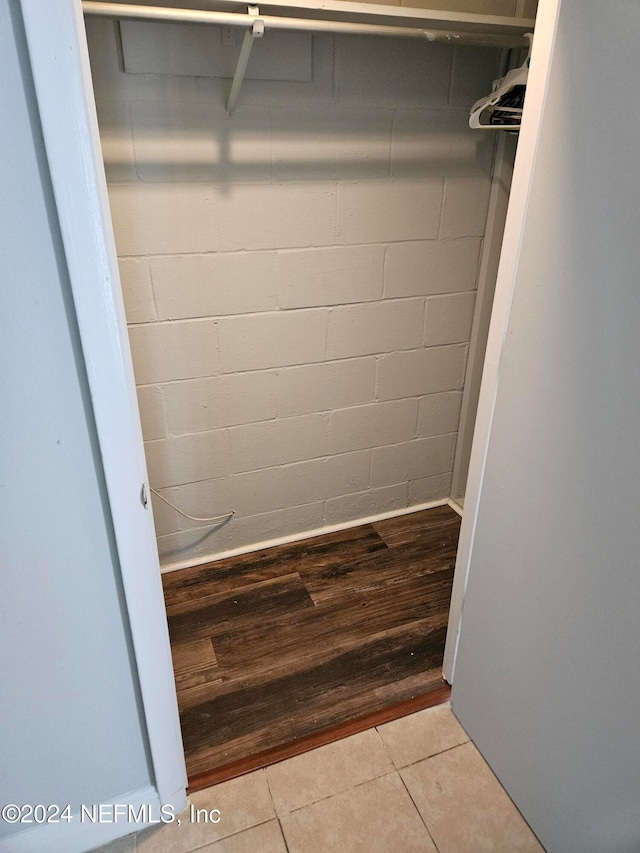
(277, 645)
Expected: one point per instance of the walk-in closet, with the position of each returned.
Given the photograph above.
(308, 232)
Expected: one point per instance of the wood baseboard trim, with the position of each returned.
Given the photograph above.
(289, 750)
(456, 506)
(201, 559)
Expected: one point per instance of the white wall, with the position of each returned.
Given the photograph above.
(299, 279)
(547, 680)
(70, 714)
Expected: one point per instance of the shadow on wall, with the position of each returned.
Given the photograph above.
(198, 539)
(262, 144)
(374, 108)
(331, 146)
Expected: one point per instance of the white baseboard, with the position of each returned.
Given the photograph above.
(307, 534)
(80, 836)
(455, 506)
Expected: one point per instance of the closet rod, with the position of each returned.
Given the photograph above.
(234, 19)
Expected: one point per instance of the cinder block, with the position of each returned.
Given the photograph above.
(212, 403)
(195, 545)
(365, 504)
(116, 140)
(439, 413)
(373, 425)
(384, 211)
(203, 499)
(438, 142)
(321, 387)
(278, 442)
(397, 73)
(274, 525)
(137, 292)
(422, 457)
(331, 143)
(272, 340)
(186, 140)
(389, 200)
(188, 458)
(434, 266)
(475, 69)
(300, 483)
(214, 285)
(375, 328)
(425, 371)
(449, 319)
(464, 212)
(239, 532)
(165, 351)
(429, 489)
(329, 276)
(260, 491)
(277, 216)
(165, 219)
(151, 409)
(304, 482)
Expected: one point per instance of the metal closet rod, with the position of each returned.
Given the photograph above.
(271, 22)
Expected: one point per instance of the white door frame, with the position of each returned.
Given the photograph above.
(542, 51)
(492, 245)
(62, 76)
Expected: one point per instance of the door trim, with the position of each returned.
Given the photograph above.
(492, 245)
(62, 77)
(537, 87)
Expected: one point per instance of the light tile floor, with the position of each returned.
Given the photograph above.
(416, 784)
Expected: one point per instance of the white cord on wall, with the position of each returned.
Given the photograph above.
(191, 517)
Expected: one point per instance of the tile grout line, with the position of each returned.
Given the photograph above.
(224, 837)
(273, 802)
(427, 757)
(424, 823)
(435, 754)
(284, 837)
(384, 746)
(345, 791)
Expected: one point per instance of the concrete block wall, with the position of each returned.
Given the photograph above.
(299, 281)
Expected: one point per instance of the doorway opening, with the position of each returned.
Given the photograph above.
(306, 288)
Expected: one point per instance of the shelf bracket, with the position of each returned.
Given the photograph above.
(256, 32)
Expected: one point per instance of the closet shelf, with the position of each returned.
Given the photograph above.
(333, 16)
(338, 16)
